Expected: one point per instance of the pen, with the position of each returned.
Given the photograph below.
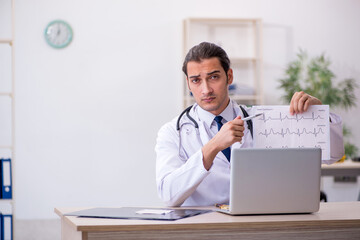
(253, 116)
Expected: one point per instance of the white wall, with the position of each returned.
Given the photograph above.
(87, 115)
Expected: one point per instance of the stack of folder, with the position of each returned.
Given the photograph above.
(6, 218)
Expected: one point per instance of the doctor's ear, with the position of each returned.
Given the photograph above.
(230, 76)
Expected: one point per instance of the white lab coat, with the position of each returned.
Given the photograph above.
(180, 175)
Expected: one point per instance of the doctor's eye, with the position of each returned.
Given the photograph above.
(195, 80)
(214, 77)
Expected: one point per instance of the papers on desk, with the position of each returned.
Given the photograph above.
(154, 211)
(138, 213)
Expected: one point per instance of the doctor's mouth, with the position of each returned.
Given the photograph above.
(208, 99)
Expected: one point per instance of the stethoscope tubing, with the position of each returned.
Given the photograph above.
(196, 125)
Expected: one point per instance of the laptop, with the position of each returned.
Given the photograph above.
(274, 181)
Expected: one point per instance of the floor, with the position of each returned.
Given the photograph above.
(37, 230)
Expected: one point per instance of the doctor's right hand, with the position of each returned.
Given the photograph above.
(230, 132)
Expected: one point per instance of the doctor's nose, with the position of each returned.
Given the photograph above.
(206, 89)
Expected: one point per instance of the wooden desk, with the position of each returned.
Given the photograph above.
(347, 168)
(336, 220)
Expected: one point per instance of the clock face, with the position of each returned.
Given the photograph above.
(58, 34)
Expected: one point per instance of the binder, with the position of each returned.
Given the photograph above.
(6, 221)
(6, 227)
(1, 227)
(6, 179)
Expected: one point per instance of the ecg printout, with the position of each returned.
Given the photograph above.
(278, 129)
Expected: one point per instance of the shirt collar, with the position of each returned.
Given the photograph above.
(208, 118)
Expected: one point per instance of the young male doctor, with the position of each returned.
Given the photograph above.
(192, 165)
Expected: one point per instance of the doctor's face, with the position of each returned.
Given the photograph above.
(208, 83)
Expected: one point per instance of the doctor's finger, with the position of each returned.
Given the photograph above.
(311, 101)
(294, 102)
(239, 134)
(234, 127)
(303, 101)
(239, 139)
(234, 124)
(240, 128)
(238, 121)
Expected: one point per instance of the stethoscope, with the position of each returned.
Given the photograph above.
(184, 155)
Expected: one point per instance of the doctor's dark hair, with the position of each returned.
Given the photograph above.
(206, 50)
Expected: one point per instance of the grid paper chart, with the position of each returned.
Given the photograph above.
(276, 128)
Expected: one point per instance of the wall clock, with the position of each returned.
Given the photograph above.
(58, 34)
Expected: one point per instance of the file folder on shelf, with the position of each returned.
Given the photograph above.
(6, 227)
(6, 179)
(6, 221)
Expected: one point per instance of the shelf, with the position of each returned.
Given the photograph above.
(6, 147)
(241, 60)
(6, 94)
(6, 41)
(223, 21)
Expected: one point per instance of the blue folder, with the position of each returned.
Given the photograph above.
(6, 227)
(6, 179)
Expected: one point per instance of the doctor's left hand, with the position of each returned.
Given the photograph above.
(301, 101)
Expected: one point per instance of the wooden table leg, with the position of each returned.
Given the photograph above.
(68, 232)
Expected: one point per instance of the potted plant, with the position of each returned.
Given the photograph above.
(314, 77)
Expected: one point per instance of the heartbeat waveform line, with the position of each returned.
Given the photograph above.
(288, 131)
(290, 118)
(301, 146)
